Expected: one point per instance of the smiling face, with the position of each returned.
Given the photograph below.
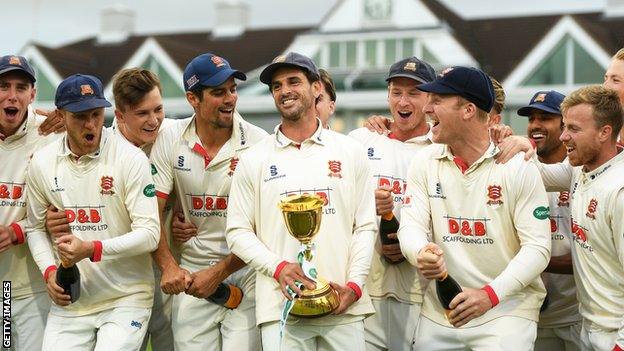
(142, 121)
(545, 129)
(325, 107)
(216, 106)
(614, 77)
(445, 112)
(581, 136)
(16, 93)
(84, 130)
(406, 103)
(293, 94)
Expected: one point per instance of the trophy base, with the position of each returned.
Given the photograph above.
(316, 303)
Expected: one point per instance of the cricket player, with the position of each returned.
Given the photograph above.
(326, 102)
(484, 223)
(140, 116)
(18, 140)
(592, 118)
(104, 186)
(303, 157)
(396, 288)
(198, 159)
(559, 325)
(614, 78)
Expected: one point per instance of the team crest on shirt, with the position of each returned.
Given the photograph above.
(233, 164)
(335, 167)
(591, 209)
(494, 194)
(106, 183)
(564, 199)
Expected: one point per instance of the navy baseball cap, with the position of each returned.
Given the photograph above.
(292, 59)
(209, 70)
(412, 68)
(10, 63)
(468, 82)
(80, 92)
(547, 101)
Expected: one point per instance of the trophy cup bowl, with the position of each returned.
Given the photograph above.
(302, 215)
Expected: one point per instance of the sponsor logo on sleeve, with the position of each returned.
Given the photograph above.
(154, 170)
(541, 212)
(149, 190)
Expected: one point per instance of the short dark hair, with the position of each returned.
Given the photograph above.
(130, 86)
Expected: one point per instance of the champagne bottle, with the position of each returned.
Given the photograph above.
(388, 225)
(68, 278)
(227, 295)
(447, 288)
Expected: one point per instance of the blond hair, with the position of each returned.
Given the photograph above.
(499, 96)
(605, 103)
(619, 55)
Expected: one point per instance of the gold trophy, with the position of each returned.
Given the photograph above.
(302, 215)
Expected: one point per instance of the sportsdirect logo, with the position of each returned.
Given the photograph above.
(149, 190)
(541, 212)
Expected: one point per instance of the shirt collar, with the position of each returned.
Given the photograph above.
(66, 151)
(283, 141)
(491, 151)
(593, 175)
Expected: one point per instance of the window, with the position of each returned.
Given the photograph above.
(370, 49)
(170, 89)
(391, 51)
(567, 64)
(334, 54)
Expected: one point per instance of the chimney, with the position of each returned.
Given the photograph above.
(116, 24)
(231, 19)
(614, 8)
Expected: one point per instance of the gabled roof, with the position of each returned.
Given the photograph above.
(249, 51)
(498, 44)
(607, 32)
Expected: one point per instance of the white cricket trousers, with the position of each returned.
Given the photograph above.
(393, 326)
(566, 338)
(298, 337)
(28, 321)
(595, 338)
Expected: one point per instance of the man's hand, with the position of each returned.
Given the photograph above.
(498, 132)
(430, 262)
(383, 200)
(379, 124)
(57, 294)
(182, 231)
(7, 238)
(204, 283)
(290, 274)
(175, 280)
(53, 123)
(72, 250)
(56, 222)
(511, 146)
(346, 296)
(392, 252)
(468, 305)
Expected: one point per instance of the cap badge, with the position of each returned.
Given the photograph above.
(540, 98)
(446, 71)
(192, 81)
(218, 61)
(86, 90)
(14, 60)
(410, 66)
(280, 58)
